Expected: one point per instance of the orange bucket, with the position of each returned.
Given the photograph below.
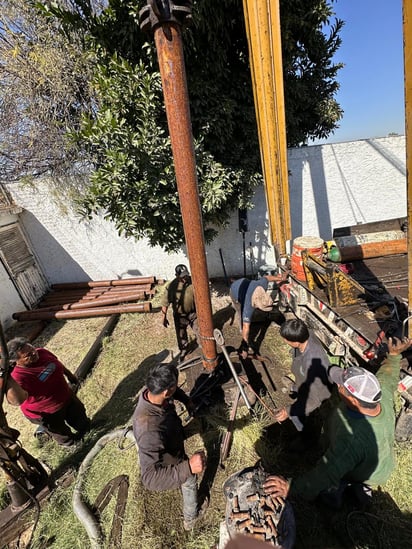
(314, 246)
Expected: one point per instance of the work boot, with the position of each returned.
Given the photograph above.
(188, 524)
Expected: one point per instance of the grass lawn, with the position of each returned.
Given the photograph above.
(153, 520)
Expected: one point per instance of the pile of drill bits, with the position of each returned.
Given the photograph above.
(251, 512)
(260, 519)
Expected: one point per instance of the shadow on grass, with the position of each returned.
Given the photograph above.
(381, 525)
(117, 411)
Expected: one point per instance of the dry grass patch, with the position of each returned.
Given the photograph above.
(153, 520)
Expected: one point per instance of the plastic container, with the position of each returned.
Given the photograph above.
(405, 384)
(314, 246)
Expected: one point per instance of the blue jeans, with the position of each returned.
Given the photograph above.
(189, 493)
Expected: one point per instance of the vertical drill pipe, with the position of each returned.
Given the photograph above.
(170, 55)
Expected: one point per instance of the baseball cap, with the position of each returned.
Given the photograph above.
(181, 270)
(361, 383)
(261, 299)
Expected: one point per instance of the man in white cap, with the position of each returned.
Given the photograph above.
(248, 296)
(361, 431)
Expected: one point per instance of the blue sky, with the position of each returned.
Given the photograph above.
(371, 83)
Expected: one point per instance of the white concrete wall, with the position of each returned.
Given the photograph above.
(330, 186)
(345, 184)
(71, 250)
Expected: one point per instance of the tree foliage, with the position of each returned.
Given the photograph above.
(308, 45)
(44, 86)
(111, 116)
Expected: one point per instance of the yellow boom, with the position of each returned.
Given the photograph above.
(265, 54)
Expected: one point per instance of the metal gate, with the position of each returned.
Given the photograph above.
(21, 265)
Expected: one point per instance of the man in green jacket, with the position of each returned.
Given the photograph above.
(361, 432)
(179, 294)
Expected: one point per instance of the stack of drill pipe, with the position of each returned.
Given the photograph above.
(128, 293)
(98, 302)
(22, 316)
(93, 298)
(116, 282)
(367, 246)
(74, 294)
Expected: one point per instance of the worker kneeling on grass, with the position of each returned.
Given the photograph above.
(361, 431)
(160, 438)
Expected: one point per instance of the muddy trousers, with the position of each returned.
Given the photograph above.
(189, 493)
(58, 424)
(181, 324)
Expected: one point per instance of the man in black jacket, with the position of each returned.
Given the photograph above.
(160, 437)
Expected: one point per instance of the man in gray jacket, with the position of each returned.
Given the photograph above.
(160, 437)
(310, 369)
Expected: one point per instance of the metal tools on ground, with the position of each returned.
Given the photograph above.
(227, 439)
(220, 340)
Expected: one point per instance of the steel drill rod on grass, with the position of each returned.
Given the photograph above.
(95, 349)
(227, 439)
(94, 283)
(98, 302)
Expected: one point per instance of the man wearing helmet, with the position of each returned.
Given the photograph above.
(179, 294)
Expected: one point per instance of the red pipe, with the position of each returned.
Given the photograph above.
(83, 313)
(98, 302)
(94, 283)
(64, 297)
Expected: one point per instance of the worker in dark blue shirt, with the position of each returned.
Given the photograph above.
(247, 296)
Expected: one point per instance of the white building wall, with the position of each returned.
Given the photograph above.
(345, 184)
(72, 250)
(330, 186)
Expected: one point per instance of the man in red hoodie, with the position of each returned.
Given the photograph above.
(51, 402)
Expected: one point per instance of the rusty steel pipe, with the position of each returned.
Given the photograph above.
(172, 69)
(94, 283)
(98, 302)
(102, 301)
(62, 296)
(25, 316)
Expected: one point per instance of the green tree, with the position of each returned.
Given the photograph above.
(44, 86)
(310, 38)
(122, 132)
